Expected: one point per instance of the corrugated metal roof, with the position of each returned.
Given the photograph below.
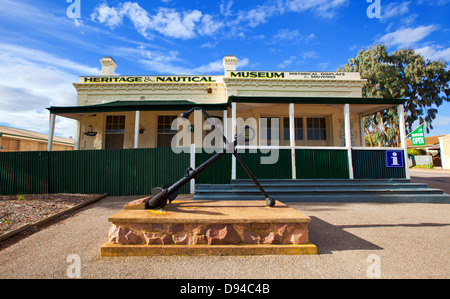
(77, 112)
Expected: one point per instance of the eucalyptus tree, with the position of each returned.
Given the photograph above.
(402, 74)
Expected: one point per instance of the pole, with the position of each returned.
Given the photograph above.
(402, 129)
(51, 132)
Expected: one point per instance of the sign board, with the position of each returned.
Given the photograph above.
(219, 79)
(394, 159)
(150, 79)
(294, 75)
(418, 136)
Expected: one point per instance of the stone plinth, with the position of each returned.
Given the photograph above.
(209, 228)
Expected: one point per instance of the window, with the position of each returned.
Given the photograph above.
(272, 130)
(298, 128)
(165, 132)
(215, 120)
(316, 128)
(115, 132)
(115, 124)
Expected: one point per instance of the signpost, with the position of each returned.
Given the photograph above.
(394, 159)
(418, 136)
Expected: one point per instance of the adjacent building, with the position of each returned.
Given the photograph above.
(18, 140)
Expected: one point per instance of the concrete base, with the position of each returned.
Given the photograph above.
(209, 228)
(113, 250)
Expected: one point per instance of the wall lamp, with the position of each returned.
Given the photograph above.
(90, 132)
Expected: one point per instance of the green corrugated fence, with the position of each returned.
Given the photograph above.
(321, 164)
(116, 172)
(371, 164)
(137, 171)
(282, 169)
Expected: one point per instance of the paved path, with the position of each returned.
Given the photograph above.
(435, 178)
(410, 240)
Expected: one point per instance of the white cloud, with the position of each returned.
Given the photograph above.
(209, 26)
(259, 15)
(32, 56)
(104, 14)
(287, 62)
(434, 52)
(225, 8)
(309, 55)
(323, 8)
(31, 81)
(394, 10)
(243, 62)
(323, 66)
(189, 24)
(407, 37)
(291, 36)
(169, 63)
(213, 67)
(167, 21)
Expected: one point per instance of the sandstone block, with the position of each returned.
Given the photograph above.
(157, 238)
(297, 236)
(120, 235)
(272, 238)
(175, 228)
(183, 238)
(250, 237)
(200, 239)
(222, 234)
(195, 229)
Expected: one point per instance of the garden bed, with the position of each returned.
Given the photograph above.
(17, 211)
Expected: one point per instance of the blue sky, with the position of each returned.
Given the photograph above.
(43, 50)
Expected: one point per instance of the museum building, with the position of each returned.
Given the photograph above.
(318, 116)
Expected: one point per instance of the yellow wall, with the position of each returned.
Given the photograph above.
(28, 145)
(445, 151)
(149, 120)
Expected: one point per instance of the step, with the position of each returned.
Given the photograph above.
(323, 190)
(320, 182)
(343, 185)
(379, 198)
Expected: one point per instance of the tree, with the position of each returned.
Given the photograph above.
(403, 74)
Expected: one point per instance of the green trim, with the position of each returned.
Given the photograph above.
(121, 106)
(315, 100)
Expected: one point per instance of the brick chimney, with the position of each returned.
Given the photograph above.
(108, 66)
(229, 63)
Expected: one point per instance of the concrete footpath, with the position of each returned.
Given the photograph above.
(386, 240)
(435, 178)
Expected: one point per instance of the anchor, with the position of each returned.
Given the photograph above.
(168, 193)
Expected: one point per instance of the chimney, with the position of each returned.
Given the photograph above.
(229, 63)
(108, 66)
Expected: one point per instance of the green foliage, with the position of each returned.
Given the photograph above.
(416, 152)
(428, 166)
(402, 74)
